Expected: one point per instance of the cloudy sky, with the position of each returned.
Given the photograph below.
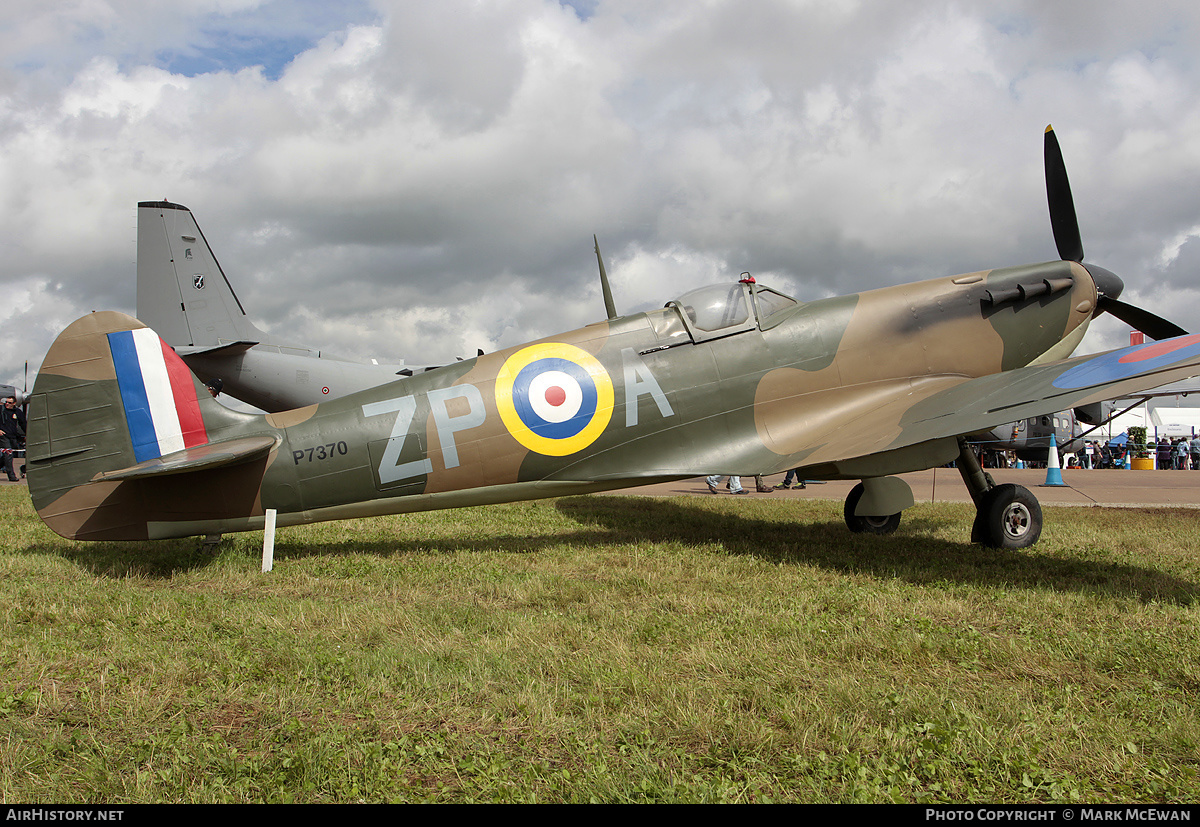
(413, 180)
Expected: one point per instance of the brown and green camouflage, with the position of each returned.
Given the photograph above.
(731, 379)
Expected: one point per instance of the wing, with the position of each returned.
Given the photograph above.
(937, 409)
(885, 427)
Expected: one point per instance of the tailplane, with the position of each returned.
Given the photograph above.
(122, 438)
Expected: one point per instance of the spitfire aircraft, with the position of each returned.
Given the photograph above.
(184, 295)
(124, 443)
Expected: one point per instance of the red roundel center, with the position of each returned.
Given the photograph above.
(1148, 352)
(555, 395)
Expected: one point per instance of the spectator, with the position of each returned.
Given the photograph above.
(12, 435)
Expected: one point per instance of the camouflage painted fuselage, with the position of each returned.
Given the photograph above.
(848, 387)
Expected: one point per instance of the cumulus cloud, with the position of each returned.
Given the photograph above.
(410, 180)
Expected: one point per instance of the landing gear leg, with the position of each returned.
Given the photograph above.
(1006, 516)
(210, 542)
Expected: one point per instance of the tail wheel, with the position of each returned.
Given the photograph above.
(884, 524)
(1008, 517)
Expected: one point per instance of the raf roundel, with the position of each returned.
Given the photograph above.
(555, 399)
(1122, 364)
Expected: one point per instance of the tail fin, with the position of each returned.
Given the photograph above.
(119, 430)
(181, 290)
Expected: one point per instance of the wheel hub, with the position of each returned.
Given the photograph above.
(1016, 520)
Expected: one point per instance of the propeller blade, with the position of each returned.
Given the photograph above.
(1156, 327)
(1062, 206)
(1070, 248)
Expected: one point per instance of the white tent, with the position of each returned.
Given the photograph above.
(1174, 422)
(1160, 422)
(1117, 425)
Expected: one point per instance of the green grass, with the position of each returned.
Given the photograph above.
(606, 648)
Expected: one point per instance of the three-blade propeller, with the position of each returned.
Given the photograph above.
(1070, 248)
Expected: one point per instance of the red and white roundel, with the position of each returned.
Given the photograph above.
(555, 396)
(324, 390)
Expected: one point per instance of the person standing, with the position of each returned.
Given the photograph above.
(12, 434)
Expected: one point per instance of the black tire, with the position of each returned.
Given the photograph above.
(1009, 517)
(867, 525)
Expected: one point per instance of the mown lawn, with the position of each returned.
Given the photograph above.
(606, 648)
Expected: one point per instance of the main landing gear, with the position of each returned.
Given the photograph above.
(1006, 516)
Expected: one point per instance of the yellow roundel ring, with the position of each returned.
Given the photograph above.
(554, 399)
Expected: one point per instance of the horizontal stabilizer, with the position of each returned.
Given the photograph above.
(227, 349)
(200, 458)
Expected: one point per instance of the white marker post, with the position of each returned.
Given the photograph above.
(269, 541)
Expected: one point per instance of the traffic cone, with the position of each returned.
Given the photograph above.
(1053, 471)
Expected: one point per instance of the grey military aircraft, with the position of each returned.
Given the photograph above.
(124, 443)
(185, 296)
(1028, 439)
(20, 396)
(11, 390)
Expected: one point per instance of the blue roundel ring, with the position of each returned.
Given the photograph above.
(533, 419)
(1122, 364)
(555, 399)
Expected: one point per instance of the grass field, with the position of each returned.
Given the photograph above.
(607, 648)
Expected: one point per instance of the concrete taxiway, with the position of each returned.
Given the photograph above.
(1113, 488)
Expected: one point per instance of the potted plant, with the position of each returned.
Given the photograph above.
(1140, 459)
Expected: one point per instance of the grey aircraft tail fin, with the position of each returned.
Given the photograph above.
(182, 293)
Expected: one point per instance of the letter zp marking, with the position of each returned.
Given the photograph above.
(405, 408)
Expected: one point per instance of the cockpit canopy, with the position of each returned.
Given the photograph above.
(716, 306)
(722, 309)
